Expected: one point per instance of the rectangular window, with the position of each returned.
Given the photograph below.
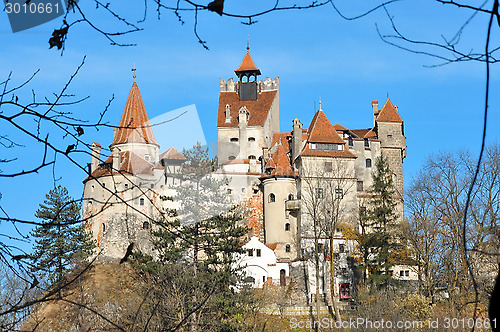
(319, 193)
(367, 143)
(258, 252)
(328, 166)
(339, 193)
(360, 185)
(407, 273)
(250, 252)
(401, 273)
(341, 248)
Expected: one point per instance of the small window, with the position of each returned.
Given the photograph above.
(287, 248)
(234, 139)
(258, 252)
(146, 157)
(290, 197)
(368, 162)
(231, 158)
(360, 185)
(367, 143)
(407, 273)
(339, 193)
(287, 227)
(229, 191)
(251, 139)
(92, 188)
(250, 252)
(362, 211)
(251, 157)
(242, 190)
(401, 273)
(351, 141)
(126, 185)
(319, 193)
(152, 185)
(141, 201)
(263, 278)
(341, 248)
(103, 227)
(145, 225)
(104, 185)
(272, 198)
(328, 166)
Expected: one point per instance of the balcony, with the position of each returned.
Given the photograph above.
(292, 204)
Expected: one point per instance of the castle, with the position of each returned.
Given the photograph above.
(303, 184)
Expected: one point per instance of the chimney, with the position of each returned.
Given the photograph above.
(375, 111)
(296, 139)
(116, 159)
(242, 126)
(96, 156)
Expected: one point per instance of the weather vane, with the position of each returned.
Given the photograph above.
(133, 69)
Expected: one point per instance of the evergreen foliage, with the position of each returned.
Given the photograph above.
(62, 239)
(195, 276)
(378, 242)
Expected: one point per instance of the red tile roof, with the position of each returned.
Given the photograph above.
(258, 109)
(322, 131)
(247, 64)
(129, 163)
(339, 127)
(360, 132)
(389, 113)
(134, 126)
(172, 153)
(280, 163)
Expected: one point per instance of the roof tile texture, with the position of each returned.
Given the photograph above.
(258, 109)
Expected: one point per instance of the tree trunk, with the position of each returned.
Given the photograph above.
(332, 281)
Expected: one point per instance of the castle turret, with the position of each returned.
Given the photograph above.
(390, 131)
(247, 74)
(296, 139)
(96, 156)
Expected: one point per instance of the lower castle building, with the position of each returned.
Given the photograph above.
(301, 185)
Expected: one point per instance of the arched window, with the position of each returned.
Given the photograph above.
(287, 248)
(141, 201)
(251, 139)
(234, 139)
(231, 158)
(251, 157)
(272, 198)
(287, 227)
(103, 227)
(290, 197)
(145, 225)
(368, 162)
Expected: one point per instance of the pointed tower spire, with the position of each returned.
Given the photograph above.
(247, 69)
(134, 125)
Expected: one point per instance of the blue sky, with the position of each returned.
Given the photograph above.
(315, 53)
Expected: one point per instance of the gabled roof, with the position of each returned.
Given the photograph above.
(134, 126)
(389, 113)
(322, 131)
(258, 109)
(361, 132)
(308, 152)
(339, 127)
(247, 64)
(172, 154)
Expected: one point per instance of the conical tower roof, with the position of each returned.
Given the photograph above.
(134, 125)
(247, 65)
(389, 113)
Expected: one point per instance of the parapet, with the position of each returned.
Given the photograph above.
(267, 85)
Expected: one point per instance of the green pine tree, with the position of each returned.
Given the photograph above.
(62, 239)
(379, 241)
